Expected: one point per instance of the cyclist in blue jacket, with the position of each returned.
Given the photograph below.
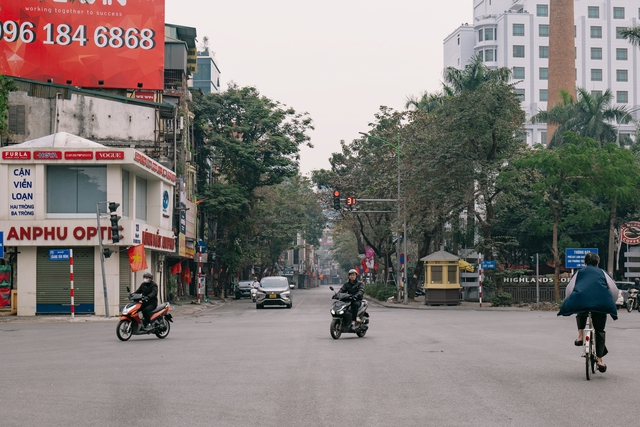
(591, 290)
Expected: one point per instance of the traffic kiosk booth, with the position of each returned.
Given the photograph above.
(442, 281)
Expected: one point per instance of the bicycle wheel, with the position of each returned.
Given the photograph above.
(587, 360)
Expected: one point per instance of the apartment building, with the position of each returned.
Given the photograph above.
(515, 34)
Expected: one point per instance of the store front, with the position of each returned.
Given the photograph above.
(50, 191)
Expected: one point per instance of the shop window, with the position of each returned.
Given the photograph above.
(73, 190)
(141, 199)
(436, 274)
(452, 274)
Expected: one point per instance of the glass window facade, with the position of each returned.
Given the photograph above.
(75, 189)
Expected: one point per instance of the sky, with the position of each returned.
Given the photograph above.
(337, 60)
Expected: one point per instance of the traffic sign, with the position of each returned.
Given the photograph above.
(574, 257)
(59, 255)
(488, 265)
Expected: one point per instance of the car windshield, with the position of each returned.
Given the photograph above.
(273, 282)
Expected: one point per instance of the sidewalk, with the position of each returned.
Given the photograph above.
(185, 307)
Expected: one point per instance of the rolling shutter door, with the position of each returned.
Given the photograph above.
(53, 282)
(125, 277)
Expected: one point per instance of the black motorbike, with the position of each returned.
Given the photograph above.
(341, 313)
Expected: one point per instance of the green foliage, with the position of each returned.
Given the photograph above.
(380, 291)
(6, 85)
(502, 299)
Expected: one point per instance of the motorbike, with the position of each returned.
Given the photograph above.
(254, 294)
(131, 322)
(632, 301)
(341, 313)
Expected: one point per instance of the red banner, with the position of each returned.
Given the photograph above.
(87, 43)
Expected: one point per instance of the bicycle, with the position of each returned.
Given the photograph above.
(589, 348)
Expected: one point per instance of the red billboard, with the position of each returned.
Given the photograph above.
(86, 43)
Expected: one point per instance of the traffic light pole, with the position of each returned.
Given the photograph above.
(104, 277)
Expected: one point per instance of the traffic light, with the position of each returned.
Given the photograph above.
(107, 252)
(351, 201)
(336, 200)
(114, 218)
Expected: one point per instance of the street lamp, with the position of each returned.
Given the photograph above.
(396, 147)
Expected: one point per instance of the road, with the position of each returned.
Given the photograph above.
(238, 366)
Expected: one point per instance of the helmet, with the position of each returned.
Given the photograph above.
(147, 275)
(353, 270)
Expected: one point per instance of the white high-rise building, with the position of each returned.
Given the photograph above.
(515, 34)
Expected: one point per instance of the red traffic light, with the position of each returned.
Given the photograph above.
(336, 193)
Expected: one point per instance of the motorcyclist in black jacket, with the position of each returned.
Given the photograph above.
(354, 287)
(149, 290)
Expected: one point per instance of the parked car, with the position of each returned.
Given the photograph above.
(623, 292)
(243, 289)
(274, 290)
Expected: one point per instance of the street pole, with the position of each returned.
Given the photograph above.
(537, 283)
(104, 277)
(480, 279)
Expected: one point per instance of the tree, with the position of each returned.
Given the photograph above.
(632, 34)
(590, 116)
(6, 85)
(248, 141)
(560, 174)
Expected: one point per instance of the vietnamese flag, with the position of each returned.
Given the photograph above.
(177, 268)
(137, 258)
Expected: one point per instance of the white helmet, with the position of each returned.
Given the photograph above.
(352, 271)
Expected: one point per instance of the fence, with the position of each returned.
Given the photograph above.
(528, 293)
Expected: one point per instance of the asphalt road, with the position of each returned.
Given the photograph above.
(238, 366)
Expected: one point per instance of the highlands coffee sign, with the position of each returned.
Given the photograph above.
(630, 233)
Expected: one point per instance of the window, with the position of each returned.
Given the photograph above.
(17, 117)
(481, 55)
(480, 35)
(618, 13)
(596, 53)
(593, 12)
(621, 54)
(596, 75)
(542, 10)
(488, 34)
(458, 38)
(596, 32)
(518, 51)
(518, 29)
(544, 95)
(125, 193)
(622, 97)
(543, 30)
(543, 138)
(618, 29)
(596, 93)
(488, 55)
(141, 198)
(543, 73)
(543, 51)
(75, 189)
(452, 274)
(518, 73)
(622, 76)
(520, 94)
(436, 274)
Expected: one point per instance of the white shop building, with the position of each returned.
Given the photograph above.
(49, 191)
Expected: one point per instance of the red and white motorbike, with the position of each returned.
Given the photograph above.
(131, 323)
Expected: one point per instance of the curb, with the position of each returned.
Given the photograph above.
(422, 306)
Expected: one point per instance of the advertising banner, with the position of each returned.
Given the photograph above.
(5, 286)
(86, 43)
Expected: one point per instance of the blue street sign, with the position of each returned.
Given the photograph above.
(574, 257)
(59, 255)
(1, 244)
(488, 265)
